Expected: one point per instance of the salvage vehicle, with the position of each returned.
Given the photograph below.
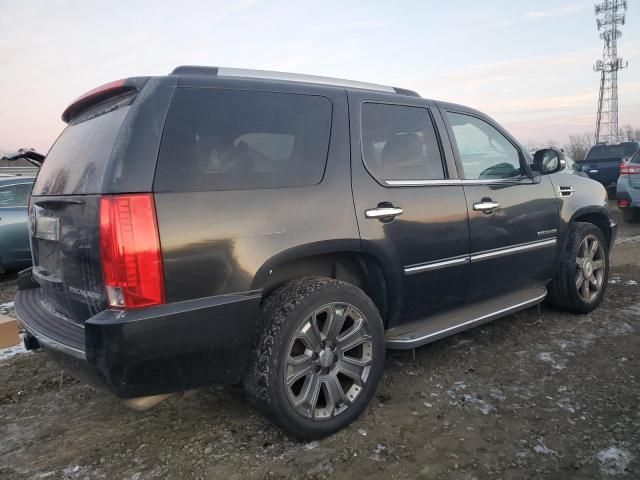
(220, 225)
(602, 162)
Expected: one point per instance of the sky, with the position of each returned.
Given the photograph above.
(528, 64)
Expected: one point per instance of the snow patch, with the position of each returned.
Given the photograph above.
(543, 449)
(547, 357)
(6, 353)
(613, 460)
(632, 240)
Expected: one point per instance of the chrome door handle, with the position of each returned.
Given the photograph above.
(486, 207)
(383, 212)
(594, 171)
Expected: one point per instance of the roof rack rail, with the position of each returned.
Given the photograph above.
(289, 77)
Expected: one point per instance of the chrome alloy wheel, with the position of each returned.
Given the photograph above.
(590, 268)
(328, 361)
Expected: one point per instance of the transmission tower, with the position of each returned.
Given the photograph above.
(610, 17)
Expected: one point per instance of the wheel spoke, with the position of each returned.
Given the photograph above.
(333, 327)
(593, 248)
(297, 369)
(585, 290)
(334, 389)
(579, 262)
(593, 281)
(310, 335)
(598, 264)
(309, 394)
(579, 280)
(351, 370)
(353, 337)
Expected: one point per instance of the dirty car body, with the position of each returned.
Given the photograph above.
(172, 207)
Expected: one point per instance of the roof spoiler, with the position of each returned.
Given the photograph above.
(101, 93)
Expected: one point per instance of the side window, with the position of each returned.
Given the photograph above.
(232, 140)
(399, 143)
(485, 153)
(15, 195)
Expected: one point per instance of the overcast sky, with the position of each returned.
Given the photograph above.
(526, 63)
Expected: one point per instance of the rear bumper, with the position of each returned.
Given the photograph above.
(628, 192)
(150, 351)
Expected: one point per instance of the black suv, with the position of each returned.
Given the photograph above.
(215, 226)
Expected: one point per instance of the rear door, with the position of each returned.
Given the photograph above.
(513, 216)
(14, 238)
(409, 205)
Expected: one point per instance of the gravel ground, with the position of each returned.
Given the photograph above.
(533, 395)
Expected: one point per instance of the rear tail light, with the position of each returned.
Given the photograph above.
(629, 169)
(623, 203)
(130, 251)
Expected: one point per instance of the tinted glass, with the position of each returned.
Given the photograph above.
(601, 152)
(485, 153)
(399, 143)
(77, 161)
(15, 195)
(230, 140)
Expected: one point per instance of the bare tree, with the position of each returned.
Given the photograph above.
(579, 145)
(629, 133)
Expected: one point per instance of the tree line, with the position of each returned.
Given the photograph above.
(579, 145)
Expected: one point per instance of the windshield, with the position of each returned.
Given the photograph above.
(623, 150)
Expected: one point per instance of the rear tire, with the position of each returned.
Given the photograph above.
(318, 358)
(581, 282)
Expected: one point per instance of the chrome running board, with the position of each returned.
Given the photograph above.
(430, 329)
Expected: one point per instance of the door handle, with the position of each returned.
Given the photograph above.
(383, 213)
(486, 206)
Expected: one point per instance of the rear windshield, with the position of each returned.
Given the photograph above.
(233, 140)
(612, 151)
(77, 162)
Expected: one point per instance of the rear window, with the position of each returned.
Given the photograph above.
(233, 140)
(77, 162)
(612, 151)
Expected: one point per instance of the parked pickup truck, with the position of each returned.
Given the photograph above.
(602, 162)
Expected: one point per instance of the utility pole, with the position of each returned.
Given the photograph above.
(610, 17)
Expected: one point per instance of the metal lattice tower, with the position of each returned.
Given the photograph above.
(610, 17)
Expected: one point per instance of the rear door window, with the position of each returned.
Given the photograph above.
(399, 143)
(233, 140)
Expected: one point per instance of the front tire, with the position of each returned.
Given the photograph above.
(581, 282)
(318, 358)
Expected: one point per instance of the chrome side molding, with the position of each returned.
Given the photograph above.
(478, 256)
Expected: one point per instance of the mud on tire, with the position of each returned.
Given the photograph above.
(285, 316)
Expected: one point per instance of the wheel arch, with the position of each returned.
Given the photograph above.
(341, 260)
(597, 216)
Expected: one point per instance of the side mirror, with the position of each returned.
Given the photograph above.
(548, 161)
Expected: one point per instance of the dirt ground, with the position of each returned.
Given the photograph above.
(548, 395)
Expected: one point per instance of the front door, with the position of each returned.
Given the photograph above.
(410, 211)
(513, 216)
